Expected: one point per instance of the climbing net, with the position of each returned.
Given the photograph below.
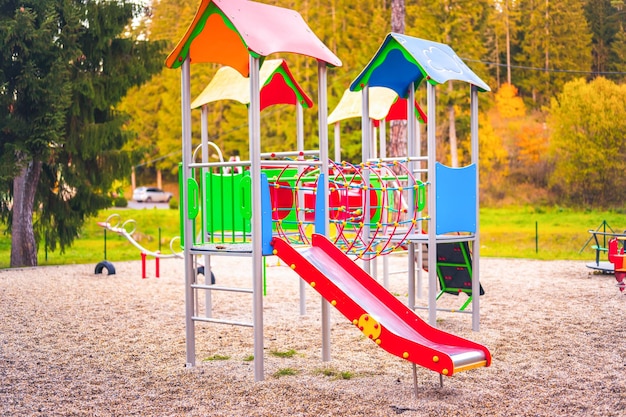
(373, 206)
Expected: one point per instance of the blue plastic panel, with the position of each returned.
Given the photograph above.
(456, 199)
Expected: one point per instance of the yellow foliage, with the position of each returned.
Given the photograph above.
(508, 103)
(493, 155)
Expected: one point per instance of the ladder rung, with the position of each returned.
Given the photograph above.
(219, 288)
(219, 321)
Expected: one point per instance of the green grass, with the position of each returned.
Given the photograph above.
(334, 374)
(283, 354)
(542, 232)
(216, 358)
(285, 372)
(511, 232)
(89, 247)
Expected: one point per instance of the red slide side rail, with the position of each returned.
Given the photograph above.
(378, 313)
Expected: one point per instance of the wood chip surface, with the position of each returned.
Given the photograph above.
(73, 343)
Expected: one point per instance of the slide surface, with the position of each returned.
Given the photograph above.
(378, 313)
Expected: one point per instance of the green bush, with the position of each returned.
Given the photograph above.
(173, 203)
(120, 202)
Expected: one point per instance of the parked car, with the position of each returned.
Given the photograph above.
(151, 194)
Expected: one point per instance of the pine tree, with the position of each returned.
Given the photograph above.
(554, 41)
(64, 67)
(606, 19)
(461, 24)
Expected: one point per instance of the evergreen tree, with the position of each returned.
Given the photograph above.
(461, 24)
(64, 66)
(554, 42)
(606, 19)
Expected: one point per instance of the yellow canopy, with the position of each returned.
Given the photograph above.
(381, 99)
(277, 86)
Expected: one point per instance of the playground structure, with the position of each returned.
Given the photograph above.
(607, 241)
(365, 210)
(126, 229)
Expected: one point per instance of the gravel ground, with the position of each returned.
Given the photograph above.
(73, 343)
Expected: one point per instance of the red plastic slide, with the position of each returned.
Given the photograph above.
(376, 312)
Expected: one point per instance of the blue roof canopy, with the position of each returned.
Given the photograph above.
(402, 59)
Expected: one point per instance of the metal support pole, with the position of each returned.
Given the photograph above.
(254, 126)
(300, 146)
(382, 137)
(411, 274)
(432, 206)
(476, 245)
(323, 144)
(190, 276)
(337, 131)
(366, 142)
(208, 299)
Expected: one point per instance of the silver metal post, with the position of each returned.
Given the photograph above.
(366, 142)
(300, 148)
(323, 144)
(337, 132)
(432, 206)
(254, 111)
(414, 379)
(382, 136)
(208, 302)
(190, 276)
(476, 244)
(411, 276)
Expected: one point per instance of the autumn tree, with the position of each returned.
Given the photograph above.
(588, 127)
(63, 67)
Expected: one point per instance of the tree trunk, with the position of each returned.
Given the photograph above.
(398, 12)
(397, 128)
(23, 245)
(398, 139)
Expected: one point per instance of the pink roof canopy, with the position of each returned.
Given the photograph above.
(228, 31)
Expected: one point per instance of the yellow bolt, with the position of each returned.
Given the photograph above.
(435, 359)
(355, 322)
(313, 284)
(293, 266)
(334, 302)
(405, 355)
(445, 371)
(378, 341)
(274, 251)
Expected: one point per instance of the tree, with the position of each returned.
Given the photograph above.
(554, 40)
(588, 127)
(64, 65)
(461, 25)
(398, 128)
(605, 22)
